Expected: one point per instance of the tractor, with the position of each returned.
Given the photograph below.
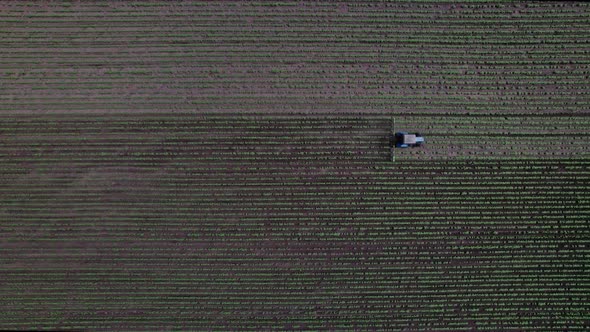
(405, 140)
(402, 139)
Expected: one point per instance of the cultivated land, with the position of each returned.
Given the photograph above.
(223, 166)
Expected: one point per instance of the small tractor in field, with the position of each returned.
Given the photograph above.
(402, 139)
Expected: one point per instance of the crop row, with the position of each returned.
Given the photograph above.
(297, 71)
(333, 58)
(271, 9)
(328, 101)
(297, 18)
(199, 48)
(130, 22)
(267, 125)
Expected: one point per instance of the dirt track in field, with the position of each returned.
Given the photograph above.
(204, 166)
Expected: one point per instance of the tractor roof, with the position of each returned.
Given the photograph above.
(409, 139)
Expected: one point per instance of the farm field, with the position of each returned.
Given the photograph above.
(224, 166)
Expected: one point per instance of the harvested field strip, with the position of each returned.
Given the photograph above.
(260, 139)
